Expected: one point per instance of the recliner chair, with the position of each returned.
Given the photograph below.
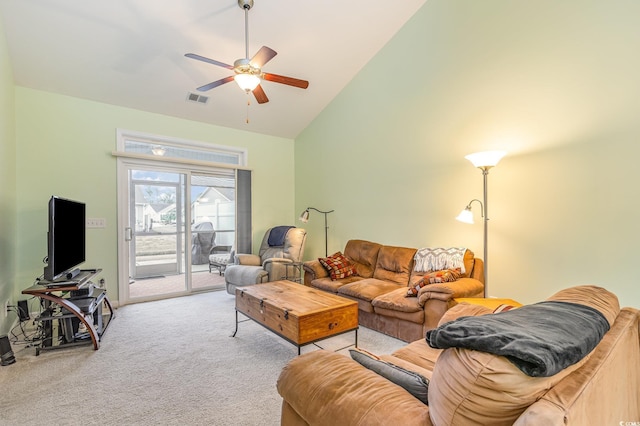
(280, 245)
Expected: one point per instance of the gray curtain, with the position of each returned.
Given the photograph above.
(243, 209)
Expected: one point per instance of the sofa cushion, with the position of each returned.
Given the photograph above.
(485, 389)
(397, 301)
(463, 310)
(420, 354)
(413, 317)
(364, 255)
(367, 289)
(338, 266)
(590, 295)
(328, 388)
(394, 264)
(414, 382)
(332, 286)
(491, 389)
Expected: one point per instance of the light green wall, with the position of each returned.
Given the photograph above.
(7, 184)
(64, 148)
(553, 83)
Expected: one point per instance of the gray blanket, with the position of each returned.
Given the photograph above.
(540, 339)
(277, 235)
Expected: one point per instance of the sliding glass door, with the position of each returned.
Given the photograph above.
(175, 221)
(178, 204)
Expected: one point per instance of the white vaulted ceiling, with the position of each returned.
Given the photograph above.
(131, 53)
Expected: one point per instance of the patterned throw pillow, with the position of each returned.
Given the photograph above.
(435, 277)
(413, 290)
(338, 266)
(503, 308)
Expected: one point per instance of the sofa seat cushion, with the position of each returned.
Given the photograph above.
(395, 305)
(328, 388)
(329, 285)
(419, 353)
(396, 300)
(415, 317)
(367, 289)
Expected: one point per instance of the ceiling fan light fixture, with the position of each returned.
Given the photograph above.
(247, 82)
(248, 71)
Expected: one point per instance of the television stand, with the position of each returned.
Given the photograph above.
(69, 307)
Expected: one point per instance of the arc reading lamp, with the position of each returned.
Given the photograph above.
(484, 161)
(304, 217)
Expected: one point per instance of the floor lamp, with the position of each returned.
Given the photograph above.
(484, 161)
(304, 217)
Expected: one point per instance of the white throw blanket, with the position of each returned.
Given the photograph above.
(439, 258)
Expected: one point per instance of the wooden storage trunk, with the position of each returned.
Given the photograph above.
(297, 313)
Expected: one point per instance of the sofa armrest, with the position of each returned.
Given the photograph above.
(326, 388)
(248, 259)
(313, 270)
(464, 287)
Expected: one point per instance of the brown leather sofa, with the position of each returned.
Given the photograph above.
(469, 387)
(384, 274)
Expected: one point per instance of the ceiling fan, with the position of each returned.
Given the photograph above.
(248, 72)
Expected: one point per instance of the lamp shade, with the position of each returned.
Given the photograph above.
(304, 216)
(466, 216)
(485, 158)
(247, 82)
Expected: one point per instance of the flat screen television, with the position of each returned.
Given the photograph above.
(65, 238)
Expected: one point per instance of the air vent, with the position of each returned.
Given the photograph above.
(194, 97)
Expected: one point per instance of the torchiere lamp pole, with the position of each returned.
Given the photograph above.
(484, 161)
(304, 217)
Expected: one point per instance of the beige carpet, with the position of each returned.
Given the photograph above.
(169, 362)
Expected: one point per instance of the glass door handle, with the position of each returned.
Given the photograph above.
(128, 234)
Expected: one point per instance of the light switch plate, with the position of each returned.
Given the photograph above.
(96, 222)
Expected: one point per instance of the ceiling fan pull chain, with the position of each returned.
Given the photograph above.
(248, 103)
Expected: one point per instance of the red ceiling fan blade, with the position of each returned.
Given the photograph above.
(302, 84)
(263, 56)
(210, 61)
(261, 97)
(215, 84)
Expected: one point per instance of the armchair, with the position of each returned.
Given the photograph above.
(280, 245)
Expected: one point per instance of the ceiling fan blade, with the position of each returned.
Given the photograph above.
(210, 61)
(263, 56)
(261, 97)
(302, 84)
(215, 84)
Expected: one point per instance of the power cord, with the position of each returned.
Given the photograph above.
(24, 336)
